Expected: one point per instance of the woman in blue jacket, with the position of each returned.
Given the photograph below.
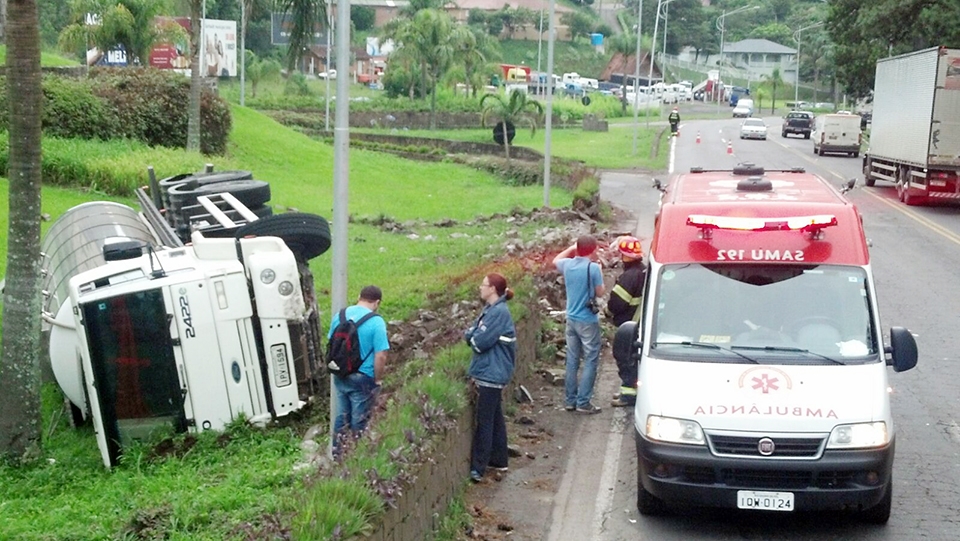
(493, 338)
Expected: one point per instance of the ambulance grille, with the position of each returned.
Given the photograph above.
(740, 446)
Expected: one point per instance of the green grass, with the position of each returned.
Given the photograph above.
(612, 149)
(46, 59)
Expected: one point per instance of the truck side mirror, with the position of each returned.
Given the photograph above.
(903, 348)
(127, 249)
(626, 343)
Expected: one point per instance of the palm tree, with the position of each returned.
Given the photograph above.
(474, 48)
(193, 113)
(774, 80)
(516, 109)
(130, 24)
(20, 422)
(625, 46)
(260, 69)
(431, 39)
(305, 15)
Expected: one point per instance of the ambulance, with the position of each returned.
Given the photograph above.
(762, 366)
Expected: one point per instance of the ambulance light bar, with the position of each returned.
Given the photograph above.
(795, 223)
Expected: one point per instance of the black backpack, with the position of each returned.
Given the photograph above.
(343, 349)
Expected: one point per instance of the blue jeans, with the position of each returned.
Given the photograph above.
(356, 396)
(583, 339)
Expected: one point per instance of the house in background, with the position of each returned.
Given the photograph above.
(760, 57)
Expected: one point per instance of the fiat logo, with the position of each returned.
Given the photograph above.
(766, 446)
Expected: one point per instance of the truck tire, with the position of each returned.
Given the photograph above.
(820, 151)
(806, 135)
(880, 513)
(307, 235)
(251, 193)
(221, 176)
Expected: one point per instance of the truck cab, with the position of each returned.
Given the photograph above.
(762, 369)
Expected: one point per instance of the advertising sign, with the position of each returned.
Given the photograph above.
(281, 24)
(218, 50)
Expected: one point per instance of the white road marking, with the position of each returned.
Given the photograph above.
(608, 476)
(673, 153)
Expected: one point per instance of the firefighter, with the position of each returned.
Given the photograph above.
(623, 306)
(674, 119)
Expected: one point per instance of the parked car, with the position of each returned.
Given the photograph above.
(753, 128)
(797, 122)
(323, 74)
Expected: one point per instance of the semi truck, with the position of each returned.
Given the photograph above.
(915, 132)
(185, 316)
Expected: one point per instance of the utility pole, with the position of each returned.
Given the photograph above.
(548, 126)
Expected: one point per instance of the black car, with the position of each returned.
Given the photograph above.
(798, 122)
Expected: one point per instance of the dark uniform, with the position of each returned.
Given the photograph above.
(623, 306)
(674, 119)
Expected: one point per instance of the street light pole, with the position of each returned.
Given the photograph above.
(666, 12)
(548, 125)
(796, 83)
(721, 20)
(636, 77)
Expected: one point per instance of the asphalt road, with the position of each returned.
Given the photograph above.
(915, 257)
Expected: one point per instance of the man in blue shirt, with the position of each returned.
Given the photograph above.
(584, 286)
(357, 392)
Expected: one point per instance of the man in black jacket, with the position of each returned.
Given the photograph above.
(674, 119)
(623, 306)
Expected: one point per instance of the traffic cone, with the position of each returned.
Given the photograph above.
(729, 148)
(698, 138)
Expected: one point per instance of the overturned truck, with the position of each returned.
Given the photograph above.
(196, 310)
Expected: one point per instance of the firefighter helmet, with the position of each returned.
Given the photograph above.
(630, 247)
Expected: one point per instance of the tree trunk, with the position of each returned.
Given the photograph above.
(3, 21)
(433, 102)
(20, 421)
(193, 115)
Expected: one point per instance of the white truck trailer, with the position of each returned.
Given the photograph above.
(187, 315)
(915, 133)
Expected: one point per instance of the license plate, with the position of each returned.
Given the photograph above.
(282, 367)
(765, 501)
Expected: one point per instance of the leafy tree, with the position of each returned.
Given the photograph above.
(516, 109)
(626, 46)
(54, 17)
(260, 69)
(20, 422)
(474, 48)
(430, 37)
(363, 17)
(578, 23)
(775, 32)
(130, 24)
(864, 31)
(415, 6)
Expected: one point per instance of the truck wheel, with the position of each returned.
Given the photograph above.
(251, 193)
(820, 152)
(880, 513)
(868, 180)
(783, 134)
(221, 176)
(648, 504)
(806, 136)
(307, 235)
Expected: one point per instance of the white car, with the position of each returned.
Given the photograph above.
(753, 128)
(743, 111)
(324, 75)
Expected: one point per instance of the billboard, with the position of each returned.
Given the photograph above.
(218, 48)
(280, 25)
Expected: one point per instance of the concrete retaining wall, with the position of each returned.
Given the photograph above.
(424, 503)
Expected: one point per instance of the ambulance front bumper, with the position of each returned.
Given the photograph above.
(692, 475)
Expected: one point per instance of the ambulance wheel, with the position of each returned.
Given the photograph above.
(648, 504)
(880, 513)
(307, 235)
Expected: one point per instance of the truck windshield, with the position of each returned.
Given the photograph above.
(134, 369)
(787, 314)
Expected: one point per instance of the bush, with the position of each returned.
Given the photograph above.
(70, 109)
(152, 107)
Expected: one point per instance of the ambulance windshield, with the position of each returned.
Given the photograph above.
(769, 312)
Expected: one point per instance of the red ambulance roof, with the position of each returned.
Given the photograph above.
(704, 218)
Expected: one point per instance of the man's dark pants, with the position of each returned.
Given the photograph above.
(490, 439)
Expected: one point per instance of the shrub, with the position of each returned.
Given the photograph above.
(70, 109)
(152, 107)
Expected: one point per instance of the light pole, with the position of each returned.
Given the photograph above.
(636, 77)
(720, 26)
(656, 26)
(548, 124)
(796, 83)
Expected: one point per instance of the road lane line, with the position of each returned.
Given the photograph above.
(929, 224)
(562, 498)
(673, 154)
(608, 476)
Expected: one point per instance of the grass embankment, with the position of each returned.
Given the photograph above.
(242, 485)
(47, 60)
(612, 149)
